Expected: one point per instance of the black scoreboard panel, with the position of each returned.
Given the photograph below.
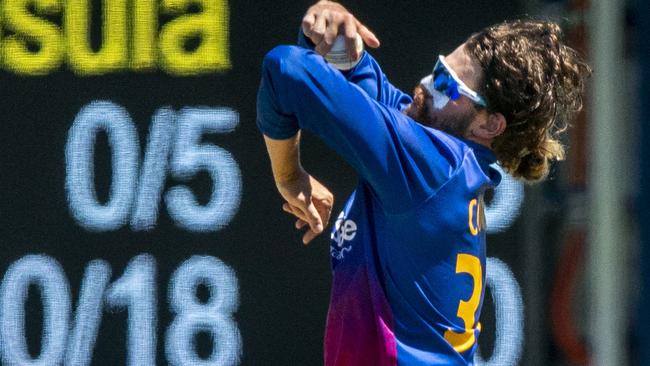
(140, 223)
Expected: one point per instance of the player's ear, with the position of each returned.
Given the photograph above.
(492, 127)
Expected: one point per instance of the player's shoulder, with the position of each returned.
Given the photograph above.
(452, 148)
(465, 155)
(434, 156)
(475, 160)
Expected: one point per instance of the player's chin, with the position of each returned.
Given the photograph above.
(420, 110)
(420, 117)
(409, 111)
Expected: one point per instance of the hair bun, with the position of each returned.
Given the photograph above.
(532, 167)
(535, 165)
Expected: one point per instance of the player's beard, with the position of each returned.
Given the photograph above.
(454, 124)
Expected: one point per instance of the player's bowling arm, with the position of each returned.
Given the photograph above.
(300, 91)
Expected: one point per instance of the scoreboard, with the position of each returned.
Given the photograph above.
(41, 35)
(139, 220)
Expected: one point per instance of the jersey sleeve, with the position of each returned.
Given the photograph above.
(403, 162)
(367, 75)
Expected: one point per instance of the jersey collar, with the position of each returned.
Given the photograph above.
(486, 159)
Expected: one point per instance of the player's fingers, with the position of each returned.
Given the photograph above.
(368, 37)
(307, 23)
(286, 207)
(317, 31)
(324, 209)
(351, 36)
(309, 236)
(331, 31)
(334, 22)
(325, 214)
(322, 48)
(313, 218)
(300, 223)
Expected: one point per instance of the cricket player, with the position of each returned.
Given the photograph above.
(408, 250)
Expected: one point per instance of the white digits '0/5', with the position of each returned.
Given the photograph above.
(141, 197)
(191, 156)
(79, 157)
(154, 170)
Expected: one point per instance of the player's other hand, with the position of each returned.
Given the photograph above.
(309, 200)
(325, 20)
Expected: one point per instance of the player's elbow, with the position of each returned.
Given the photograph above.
(283, 59)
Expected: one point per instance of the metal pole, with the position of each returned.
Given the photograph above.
(643, 12)
(607, 244)
(534, 299)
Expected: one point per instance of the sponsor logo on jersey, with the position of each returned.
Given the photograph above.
(344, 231)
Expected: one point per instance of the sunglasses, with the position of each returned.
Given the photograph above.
(444, 80)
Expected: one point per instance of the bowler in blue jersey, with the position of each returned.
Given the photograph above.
(408, 250)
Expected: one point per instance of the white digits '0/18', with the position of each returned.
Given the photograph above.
(136, 290)
(48, 276)
(214, 317)
(88, 314)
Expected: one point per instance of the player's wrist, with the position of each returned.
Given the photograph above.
(289, 176)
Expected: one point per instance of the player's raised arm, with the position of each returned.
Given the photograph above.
(306, 198)
(300, 91)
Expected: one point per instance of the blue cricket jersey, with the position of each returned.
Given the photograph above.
(408, 250)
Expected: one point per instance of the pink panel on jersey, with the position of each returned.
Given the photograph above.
(359, 322)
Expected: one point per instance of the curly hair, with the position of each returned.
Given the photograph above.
(537, 82)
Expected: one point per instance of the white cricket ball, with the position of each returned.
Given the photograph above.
(338, 56)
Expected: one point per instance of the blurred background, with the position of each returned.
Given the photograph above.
(140, 222)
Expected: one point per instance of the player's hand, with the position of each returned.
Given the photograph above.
(326, 19)
(310, 201)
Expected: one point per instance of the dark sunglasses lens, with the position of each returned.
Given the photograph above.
(441, 82)
(452, 90)
(444, 82)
